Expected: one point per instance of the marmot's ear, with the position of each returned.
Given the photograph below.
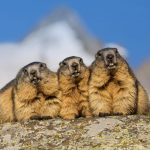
(61, 64)
(96, 55)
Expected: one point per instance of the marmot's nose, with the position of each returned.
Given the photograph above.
(74, 65)
(110, 57)
(33, 72)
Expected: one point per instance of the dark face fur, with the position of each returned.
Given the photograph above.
(109, 57)
(72, 66)
(33, 72)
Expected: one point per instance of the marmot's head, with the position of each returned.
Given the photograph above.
(72, 66)
(33, 72)
(108, 57)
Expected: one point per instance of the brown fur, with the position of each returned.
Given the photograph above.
(74, 91)
(27, 96)
(49, 95)
(17, 102)
(6, 104)
(116, 92)
(26, 101)
(143, 106)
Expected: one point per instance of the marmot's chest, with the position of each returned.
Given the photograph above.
(113, 88)
(76, 94)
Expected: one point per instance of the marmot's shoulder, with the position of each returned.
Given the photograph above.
(8, 85)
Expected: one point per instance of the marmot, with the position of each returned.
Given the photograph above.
(49, 94)
(73, 78)
(113, 88)
(18, 97)
(21, 98)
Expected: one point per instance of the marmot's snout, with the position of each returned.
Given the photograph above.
(35, 77)
(110, 60)
(75, 69)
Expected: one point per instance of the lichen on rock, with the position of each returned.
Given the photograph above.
(131, 132)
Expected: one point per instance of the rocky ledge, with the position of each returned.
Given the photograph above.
(118, 133)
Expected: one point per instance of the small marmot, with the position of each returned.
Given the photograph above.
(73, 78)
(21, 98)
(113, 88)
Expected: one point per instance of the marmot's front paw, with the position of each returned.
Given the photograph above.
(40, 117)
(88, 115)
(104, 114)
(117, 114)
(69, 117)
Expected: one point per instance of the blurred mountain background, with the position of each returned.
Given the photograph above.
(65, 28)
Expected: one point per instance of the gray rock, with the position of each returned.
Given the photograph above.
(110, 133)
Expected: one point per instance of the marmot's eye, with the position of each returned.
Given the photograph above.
(99, 54)
(64, 64)
(42, 66)
(25, 71)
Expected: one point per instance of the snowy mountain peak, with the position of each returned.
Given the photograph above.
(58, 36)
